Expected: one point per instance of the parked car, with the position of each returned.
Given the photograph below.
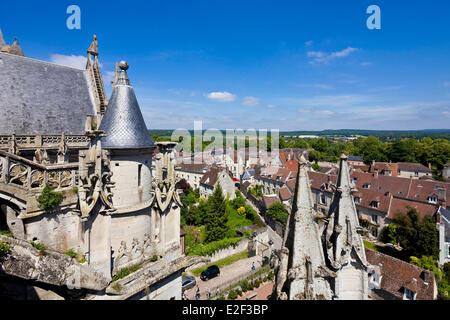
(210, 273)
(188, 283)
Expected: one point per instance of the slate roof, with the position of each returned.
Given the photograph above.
(192, 167)
(398, 274)
(355, 158)
(38, 97)
(123, 121)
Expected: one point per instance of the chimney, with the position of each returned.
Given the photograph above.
(442, 200)
(429, 166)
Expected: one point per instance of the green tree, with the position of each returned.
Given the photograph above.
(321, 145)
(278, 213)
(216, 218)
(403, 150)
(417, 238)
(371, 149)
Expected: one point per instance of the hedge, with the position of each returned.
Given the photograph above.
(210, 248)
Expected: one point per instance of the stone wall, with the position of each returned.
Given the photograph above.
(61, 231)
(230, 251)
(133, 178)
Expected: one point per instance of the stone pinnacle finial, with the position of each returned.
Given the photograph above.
(344, 157)
(123, 65)
(93, 49)
(2, 40)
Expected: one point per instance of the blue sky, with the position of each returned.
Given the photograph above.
(288, 65)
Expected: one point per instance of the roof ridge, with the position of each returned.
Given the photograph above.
(42, 61)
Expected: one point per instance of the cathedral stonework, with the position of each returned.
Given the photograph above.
(322, 266)
(120, 207)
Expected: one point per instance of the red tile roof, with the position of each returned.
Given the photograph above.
(409, 166)
(398, 274)
(402, 206)
(269, 200)
(285, 194)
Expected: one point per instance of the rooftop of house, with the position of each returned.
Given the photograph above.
(408, 166)
(397, 275)
(192, 167)
(285, 194)
(270, 200)
(211, 176)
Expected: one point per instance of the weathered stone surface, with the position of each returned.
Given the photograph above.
(48, 266)
(150, 273)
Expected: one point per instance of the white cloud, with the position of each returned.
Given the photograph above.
(250, 101)
(447, 84)
(271, 106)
(221, 96)
(78, 62)
(309, 43)
(325, 57)
(311, 111)
(108, 77)
(330, 101)
(366, 64)
(318, 86)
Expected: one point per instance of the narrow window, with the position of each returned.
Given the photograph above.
(140, 175)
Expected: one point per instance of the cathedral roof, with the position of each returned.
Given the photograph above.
(123, 121)
(38, 97)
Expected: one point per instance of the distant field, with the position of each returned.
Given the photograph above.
(383, 135)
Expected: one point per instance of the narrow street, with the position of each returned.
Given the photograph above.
(228, 276)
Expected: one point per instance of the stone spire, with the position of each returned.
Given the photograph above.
(344, 244)
(93, 67)
(307, 277)
(116, 75)
(123, 121)
(2, 40)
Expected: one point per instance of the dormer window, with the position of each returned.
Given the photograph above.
(409, 295)
(432, 199)
(357, 200)
(355, 179)
(366, 186)
(374, 204)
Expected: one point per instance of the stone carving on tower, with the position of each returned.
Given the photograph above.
(301, 270)
(343, 242)
(164, 182)
(95, 175)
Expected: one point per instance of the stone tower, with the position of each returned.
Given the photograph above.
(129, 144)
(343, 242)
(302, 273)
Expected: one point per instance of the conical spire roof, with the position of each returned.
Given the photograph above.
(123, 121)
